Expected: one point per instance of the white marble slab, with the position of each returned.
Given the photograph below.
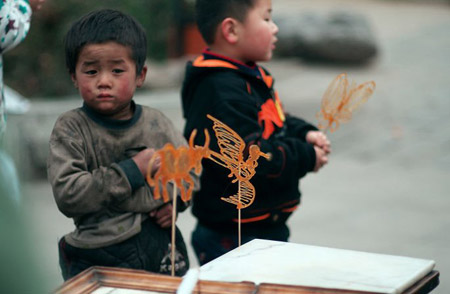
(263, 261)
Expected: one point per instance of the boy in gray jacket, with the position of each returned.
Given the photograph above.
(99, 154)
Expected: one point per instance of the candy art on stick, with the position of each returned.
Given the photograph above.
(231, 156)
(339, 101)
(175, 166)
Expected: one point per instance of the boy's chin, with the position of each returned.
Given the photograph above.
(266, 58)
(113, 113)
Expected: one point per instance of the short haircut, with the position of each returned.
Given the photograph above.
(102, 26)
(210, 13)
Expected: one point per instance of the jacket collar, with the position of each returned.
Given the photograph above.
(214, 60)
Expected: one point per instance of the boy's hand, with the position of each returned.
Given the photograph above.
(163, 215)
(319, 139)
(36, 4)
(321, 158)
(142, 159)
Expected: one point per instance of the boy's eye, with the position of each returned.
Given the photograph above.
(118, 70)
(90, 72)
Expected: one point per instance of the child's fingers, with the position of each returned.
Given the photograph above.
(324, 143)
(327, 148)
(166, 209)
(165, 221)
(156, 165)
(321, 158)
(163, 216)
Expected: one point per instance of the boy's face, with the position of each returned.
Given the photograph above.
(257, 36)
(105, 76)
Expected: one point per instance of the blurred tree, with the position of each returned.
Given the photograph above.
(37, 68)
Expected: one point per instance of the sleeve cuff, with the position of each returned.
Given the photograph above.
(133, 173)
(312, 155)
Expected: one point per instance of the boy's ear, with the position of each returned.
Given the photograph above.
(141, 77)
(74, 80)
(229, 29)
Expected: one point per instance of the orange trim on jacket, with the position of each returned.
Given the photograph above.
(266, 78)
(201, 62)
(253, 219)
(271, 114)
(290, 209)
(264, 216)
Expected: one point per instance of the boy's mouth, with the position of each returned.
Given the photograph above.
(274, 42)
(104, 95)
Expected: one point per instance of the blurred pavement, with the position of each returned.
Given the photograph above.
(385, 188)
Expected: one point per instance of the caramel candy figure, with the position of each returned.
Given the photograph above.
(340, 100)
(176, 165)
(231, 156)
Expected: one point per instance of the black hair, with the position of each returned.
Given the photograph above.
(210, 13)
(102, 26)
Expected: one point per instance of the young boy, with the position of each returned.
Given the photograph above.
(99, 154)
(227, 83)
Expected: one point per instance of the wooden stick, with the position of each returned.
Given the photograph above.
(239, 209)
(174, 219)
(239, 227)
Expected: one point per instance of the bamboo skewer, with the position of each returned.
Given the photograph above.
(239, 210)
(174, 219)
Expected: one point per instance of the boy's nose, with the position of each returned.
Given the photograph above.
(275, 28)
(104, 80)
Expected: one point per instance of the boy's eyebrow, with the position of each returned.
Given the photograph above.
(115, 61)
(88, 63)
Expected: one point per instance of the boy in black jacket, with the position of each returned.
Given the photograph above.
(226, 82)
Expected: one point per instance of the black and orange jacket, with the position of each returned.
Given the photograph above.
(243, 98)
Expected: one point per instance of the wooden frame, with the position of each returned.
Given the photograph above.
(97, 277)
